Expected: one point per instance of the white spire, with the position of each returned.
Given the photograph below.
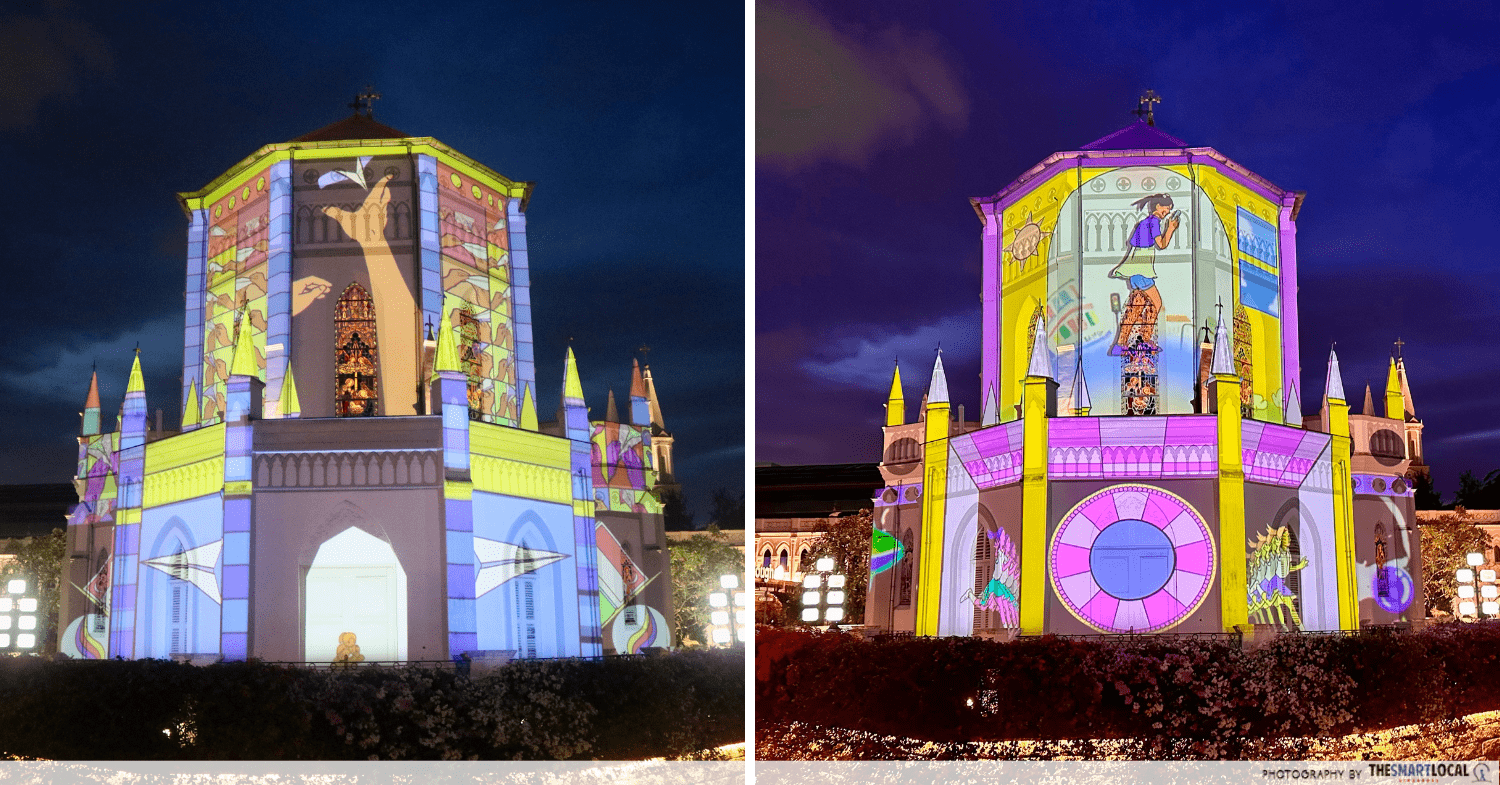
(1041, 354)
(990, 414)
(1334, 386)
(1411, 408)
(1223, 357)
(1293, 408)
(1080, 388)
(937, 390)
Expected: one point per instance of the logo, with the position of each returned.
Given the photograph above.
(1482, 772)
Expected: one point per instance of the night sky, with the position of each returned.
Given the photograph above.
(628, 117)
(875, 125)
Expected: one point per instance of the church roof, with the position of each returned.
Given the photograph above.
(1137, 136)
(355, 126)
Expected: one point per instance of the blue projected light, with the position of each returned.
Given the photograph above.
(1131, 559)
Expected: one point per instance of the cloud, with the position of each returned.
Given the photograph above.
(67, 377)
(42, 58)
(825, 94)
(1491, 434)
(865, 361)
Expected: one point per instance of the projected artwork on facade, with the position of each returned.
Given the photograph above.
(1132, 558)
(361, 474)
(997, 579)
(1272, 579)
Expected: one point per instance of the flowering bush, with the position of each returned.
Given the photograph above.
(625, 708)
(1168, 698)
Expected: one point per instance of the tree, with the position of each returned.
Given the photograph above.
(697, 563)
(39, 560)
(1446, 542)
(848, 542)
(676, 517)
(1477, 494)
(1426, 492)
(729, 511)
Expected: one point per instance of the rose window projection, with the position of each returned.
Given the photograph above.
(1132, 558)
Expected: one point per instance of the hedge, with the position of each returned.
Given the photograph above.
(616, 709)
(1173, 697)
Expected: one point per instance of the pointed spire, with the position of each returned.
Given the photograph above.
(290, 406)
(1292, 411)
(446, 358)
(1081, 402)
(528, 410)
(653, 402)
(990, 413)
(1223, 362)
(637, 384)
(137, 383)
(244, 363)
(572, 387)
(937, 389)
(192, 412)
(1369, 408)
(611, 413)
(1333, 388)
(1409, 408)
(1041, 353)
(895, 400)
(90, 425)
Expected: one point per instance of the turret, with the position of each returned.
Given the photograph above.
(90, 425)
(1080, 392)
(640, 405)
(895, 401)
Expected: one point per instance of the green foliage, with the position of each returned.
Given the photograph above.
(697, 564)
(1156, 697)
(1477, 494)
(1446, 542)
(620, 709)
(40, 561)
(729, 510)
(1425, 492)
(848, 542)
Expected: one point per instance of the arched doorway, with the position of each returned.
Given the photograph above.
(355, 584)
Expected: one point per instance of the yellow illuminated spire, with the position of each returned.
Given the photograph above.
(137, 381)
(572, 388)
(290, 406)
(1395, 405)
(895, 403)
(192, 411)
(244, 363)
(528, 410)
(447, 352)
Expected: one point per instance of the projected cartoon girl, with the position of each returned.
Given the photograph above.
(1139, 269)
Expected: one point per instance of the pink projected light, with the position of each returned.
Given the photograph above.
(1132, 558)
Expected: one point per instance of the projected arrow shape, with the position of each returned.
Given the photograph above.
(501, 561)
(196, 566)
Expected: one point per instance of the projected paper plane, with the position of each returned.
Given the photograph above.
(196, 566)
(501, 561)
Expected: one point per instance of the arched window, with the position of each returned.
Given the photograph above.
(984, 567)
(471, 359)
(903, 596)
(782, 558)
(525, 605)
(765, 559)
(356, 354)
(803, 563)
(179, 637)
(1382, 577)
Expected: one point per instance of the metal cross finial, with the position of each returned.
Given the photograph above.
(1145, 107)
(646, 352)
(1399, 343)
(366, 101)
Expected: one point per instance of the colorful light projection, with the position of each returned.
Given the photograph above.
(623, 476)
(474, 238)
(1394, 590)
(643, 628)
(1001, 592)
(356, 584)
(1135, 261)
(885, 551)
(1271, 588)
(236, 283)
(631, 625)
(1132, 558)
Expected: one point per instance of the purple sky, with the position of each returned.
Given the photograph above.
(874, 125)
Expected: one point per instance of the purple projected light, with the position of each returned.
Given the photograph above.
(1132, 558)
(1398, 589)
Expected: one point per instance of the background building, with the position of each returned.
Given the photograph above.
(360, 462)
(1142, 462)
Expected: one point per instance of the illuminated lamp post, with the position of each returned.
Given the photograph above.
(1468, 609)
(730, 617)
(18, 619)
(823, 594)
(1489, 594)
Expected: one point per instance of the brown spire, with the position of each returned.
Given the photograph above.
(637, 384)
(92, 402)
(611, 414)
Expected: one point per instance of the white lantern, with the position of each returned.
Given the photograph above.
(835, 598)
(1475, 559)
(825, 564)
(717, 600)
(1466, 592)
(810, 598)
(808, 614)
(720, 618)
(811, 581)
(836, 581)
(729, 581)
(835, 614)
(1466, 608)
(1465, 576)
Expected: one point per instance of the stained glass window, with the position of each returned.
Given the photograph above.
(1138, 370)
(1242, 362)
(356, 354)
(471, 359)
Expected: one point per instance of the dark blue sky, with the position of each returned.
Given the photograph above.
(628, 117)
(875, 123)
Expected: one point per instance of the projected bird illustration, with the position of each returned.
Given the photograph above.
(501, 561)
(195, 565)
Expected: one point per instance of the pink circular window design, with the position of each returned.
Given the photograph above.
(1132, 558)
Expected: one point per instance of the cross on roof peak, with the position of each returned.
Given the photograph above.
(1145, 107)
(366, 101)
